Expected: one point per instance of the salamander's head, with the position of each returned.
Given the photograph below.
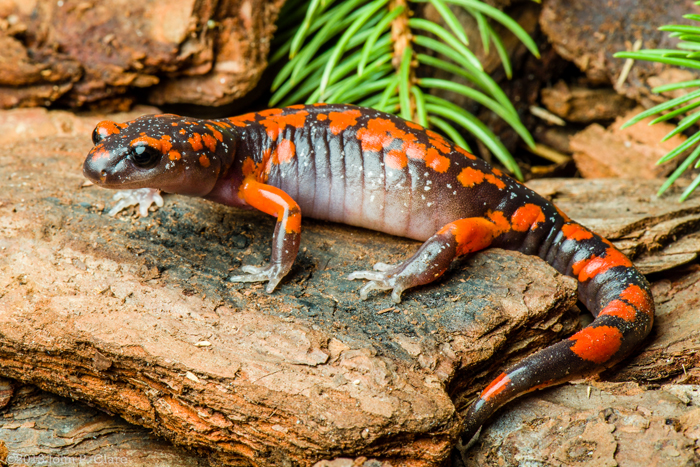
(171, 153)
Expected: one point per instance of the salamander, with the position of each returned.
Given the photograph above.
(370, 169)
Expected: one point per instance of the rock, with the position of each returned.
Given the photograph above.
(79, 53)
(588, 33)
(629, 153)
(113, 310)
(584, 105)
(41, 426)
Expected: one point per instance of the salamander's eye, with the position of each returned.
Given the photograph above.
(144, 156)
(96, 136)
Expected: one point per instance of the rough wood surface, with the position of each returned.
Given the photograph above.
(584, 105)
(204, 52)
(598, 425)
(135, 316)
(589, 32)
(38, 428)
(630, 153)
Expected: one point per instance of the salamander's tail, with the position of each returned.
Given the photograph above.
(613, 290)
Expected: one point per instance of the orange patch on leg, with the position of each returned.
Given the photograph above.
(597, 344)
(471, 234)
(527, 217)
(499, 219)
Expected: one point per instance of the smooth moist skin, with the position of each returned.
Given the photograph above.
(370, 169)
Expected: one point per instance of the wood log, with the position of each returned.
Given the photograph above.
(135, 316)
(39, 428)
(185, 51)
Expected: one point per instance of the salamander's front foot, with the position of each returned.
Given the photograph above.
(144, 197)
(384, 277)
(272, 273)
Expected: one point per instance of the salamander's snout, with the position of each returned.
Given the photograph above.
(101, 166)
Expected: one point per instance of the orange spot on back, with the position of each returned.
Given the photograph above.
(413, 125)
(469, 177)
(576, 232)
(395, 159)
(322, 117)
(182, 131)
(436, 161)
(415, 150)
(596, 344)
(284, 152)
(342, 120)
(209, 141)
(196, 142)
(497, 386)
(465, 153)
(269, 112)
(276, 123)
(527, 217)
(242, 120)
(296, 106)
(158, 144)
(217, 134)
(491, 178)
(204, 160)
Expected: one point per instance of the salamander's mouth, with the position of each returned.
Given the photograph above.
(107, 170)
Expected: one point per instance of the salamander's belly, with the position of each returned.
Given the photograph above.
(403, 185)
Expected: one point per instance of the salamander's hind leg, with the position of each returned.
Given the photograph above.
(432, 259)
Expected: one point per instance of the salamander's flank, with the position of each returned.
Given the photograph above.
(370, 169)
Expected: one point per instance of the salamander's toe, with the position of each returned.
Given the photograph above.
(272, 273)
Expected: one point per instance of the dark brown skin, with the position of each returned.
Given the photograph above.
(370, 169)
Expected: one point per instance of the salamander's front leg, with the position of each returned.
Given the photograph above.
(285, 240)
(432, 259)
